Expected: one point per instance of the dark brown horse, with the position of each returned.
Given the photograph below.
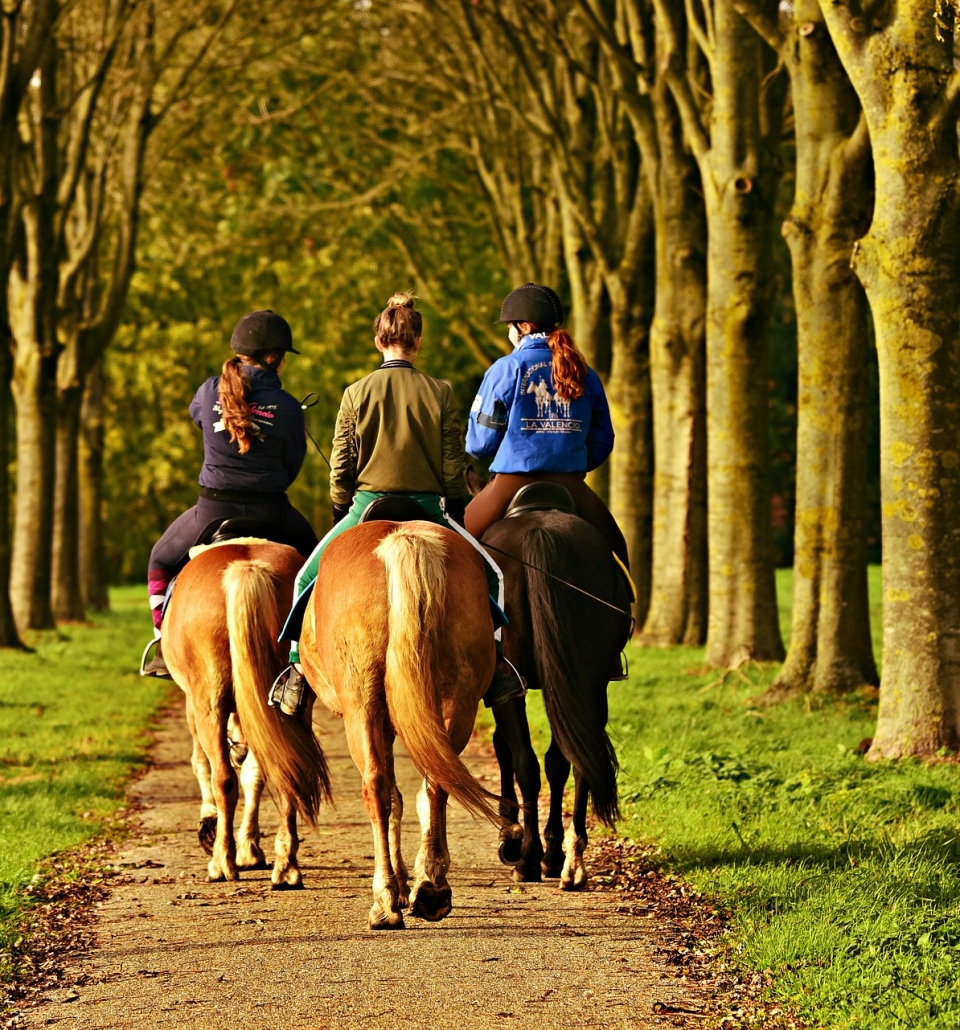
(398, 640)
(569, 607)
(220, 643)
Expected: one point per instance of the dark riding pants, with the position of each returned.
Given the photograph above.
(172, 550)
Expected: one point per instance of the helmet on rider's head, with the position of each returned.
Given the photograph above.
(538, 305)
(262, 331)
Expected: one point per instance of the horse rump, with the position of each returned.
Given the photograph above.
(286, 747)
(573, 679)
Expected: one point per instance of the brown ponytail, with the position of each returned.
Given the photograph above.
(399, 324)
(232, 393)
(568, 367)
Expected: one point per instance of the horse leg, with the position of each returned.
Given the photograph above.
(511, 719)
(511, 832)
(574, 875)
(207, 828)
(431, 897)
(558, 770)
(370, 746)
(211, 722)
(249, 853)
(286, 874)
(396, 855)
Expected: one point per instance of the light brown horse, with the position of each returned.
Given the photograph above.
(220, 643)
(398, 640)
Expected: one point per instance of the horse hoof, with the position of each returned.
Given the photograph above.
(432, 903)
(390, 921)
(510, 851)
(524, 875)
(284, 886)
(552, 870)
(253, 864)
(207, 833)
(573, 885)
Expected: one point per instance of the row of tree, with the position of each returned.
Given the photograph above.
(639, 154)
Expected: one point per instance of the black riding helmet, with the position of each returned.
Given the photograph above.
(260, 331)
(532, 303)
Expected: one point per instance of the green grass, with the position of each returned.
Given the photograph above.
(73, 725)
(843, 876)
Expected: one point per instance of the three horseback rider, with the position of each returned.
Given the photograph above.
(254, 443)
(541, 414)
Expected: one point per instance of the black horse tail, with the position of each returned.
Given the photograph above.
(576, 702)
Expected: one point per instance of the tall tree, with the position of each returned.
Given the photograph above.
(900, 59)
(733, 127)
(23, 33)
(678, 580)
(830, 646)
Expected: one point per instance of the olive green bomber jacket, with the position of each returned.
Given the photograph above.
(397, 430)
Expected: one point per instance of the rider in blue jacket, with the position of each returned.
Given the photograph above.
(541, 414)
(254, 443)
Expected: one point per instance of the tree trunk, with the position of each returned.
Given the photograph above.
(93, 572)
(830, 647)
(8, 628)
(66, 597)
(35, 397)
(631, 464)
(741, 180)
(909, 265)
(678, 592)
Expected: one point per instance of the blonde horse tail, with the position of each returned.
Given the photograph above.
(286, 747)
(414, 558)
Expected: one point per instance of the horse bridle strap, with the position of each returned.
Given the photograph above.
(566, 583)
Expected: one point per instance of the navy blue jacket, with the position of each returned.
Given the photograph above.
(274, 459)
(518, 420)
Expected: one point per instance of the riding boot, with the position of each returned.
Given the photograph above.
(156, 666)
(620, 669)
(289, 691)
(507, 683)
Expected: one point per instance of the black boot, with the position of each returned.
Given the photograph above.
(507, 683)
(156, 666)
(620, 669)
(289, 691)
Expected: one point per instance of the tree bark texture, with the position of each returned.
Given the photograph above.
(8, 628)
(66, 598)
(93, 571)
(830, 646)
(678, 591)
(735, 144)
(909, 265)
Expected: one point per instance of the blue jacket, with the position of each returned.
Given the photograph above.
(518, 417)
(274, 459)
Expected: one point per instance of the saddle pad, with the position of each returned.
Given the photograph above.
(200, 548)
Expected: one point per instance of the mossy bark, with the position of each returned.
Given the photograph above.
(66, 598)
(678, 589)
(830, 647)
(909, 264)
(93, 572)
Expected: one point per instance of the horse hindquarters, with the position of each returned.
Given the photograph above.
(286, 747)
(572, 677)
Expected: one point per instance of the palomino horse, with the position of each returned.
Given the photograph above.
(398, 640)
(220, 643)
(569, 607)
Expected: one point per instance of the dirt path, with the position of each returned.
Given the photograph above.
(176, 951)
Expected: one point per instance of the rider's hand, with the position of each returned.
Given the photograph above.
(340, 511)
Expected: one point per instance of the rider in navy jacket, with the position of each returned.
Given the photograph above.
(275, 456)
(254, 443)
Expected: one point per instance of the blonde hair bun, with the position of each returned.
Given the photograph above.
(401, 300)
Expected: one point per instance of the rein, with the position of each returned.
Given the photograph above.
(308, 402)
(566, 583)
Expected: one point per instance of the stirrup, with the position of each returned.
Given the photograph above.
(624, 670)
(144, 659)
(287, 692)
(511, 687)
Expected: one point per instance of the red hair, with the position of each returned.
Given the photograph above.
(569, 367)
(232, 392)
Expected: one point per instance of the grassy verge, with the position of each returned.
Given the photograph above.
(843, 875)
(73, 726)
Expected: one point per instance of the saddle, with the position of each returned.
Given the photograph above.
(393, 508)
(541, 497)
